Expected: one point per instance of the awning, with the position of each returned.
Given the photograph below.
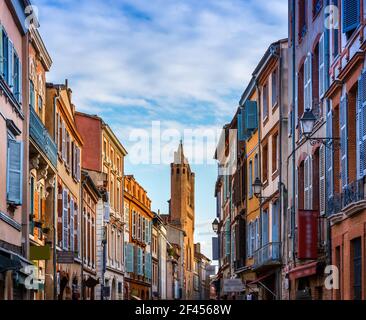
(305, 270)
(7, 264)
(91, 282)
(260, 279)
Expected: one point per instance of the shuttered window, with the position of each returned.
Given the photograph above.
(344, 141)
(65, 218)
(14, 176)
(308, 83)
(129, 257)
(257, 235)
(308, 184)
(350, 15)
(2, 58)
(329, 154)
(250, 179)
(72, 226)
(322, 195)
(321, 66)
(265, 228)
(227, 238)
(133, 224)
(10, 79)
(361, 127)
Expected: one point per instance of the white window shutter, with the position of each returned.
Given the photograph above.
(14, 179)
(310, 179)
(72, 225)
(65, 219)
(344, 141)
(321, 67)
(322, 196)
(306, 184)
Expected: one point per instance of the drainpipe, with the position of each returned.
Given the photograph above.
(55, 99)
(293, 210)
(327, 62)
(82, 237)
(279, 293)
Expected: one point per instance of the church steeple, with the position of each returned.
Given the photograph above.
(179, 157)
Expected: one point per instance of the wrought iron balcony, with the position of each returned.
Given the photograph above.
(42, 138)
(268, 255)
(353, 193)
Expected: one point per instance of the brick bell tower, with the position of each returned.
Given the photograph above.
(182, 212)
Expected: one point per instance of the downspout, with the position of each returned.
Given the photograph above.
(280, 166)
(55, 99)
(293, 210)
(82, 236)
(327, 62)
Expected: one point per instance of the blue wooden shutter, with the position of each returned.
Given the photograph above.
(344, 141)
(275, 223)
(361, 127)
(129, 258)
(227, 237)
(1, 51)
(14, 181)
(350, 15)
(241, 133)
(296, 109)
(11, 65)
(322, 183)
(251, 115)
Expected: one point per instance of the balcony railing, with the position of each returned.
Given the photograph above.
(41, 137)
(268, 255)
(354, 192)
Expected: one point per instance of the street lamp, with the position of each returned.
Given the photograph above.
(257, 187)
(215, 225)
(307, 123)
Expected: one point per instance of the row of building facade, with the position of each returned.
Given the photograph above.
(72, 225)
(291, 202)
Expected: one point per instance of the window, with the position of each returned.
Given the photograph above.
(308, 184)
(10, 65)
(356, 263)
(317, 6)
(250, 179)
(275, 153)
(350, 16)
(265, 228)
(302, 14)
(256, 167)
(40, 105)
(308, 103)
(65, 219)
(344, 140)
(265, 101)
(32, 197)
(274, 88)
(32, 95)
(265, 163)
(321, 57)
(127, 217)
(14, 174)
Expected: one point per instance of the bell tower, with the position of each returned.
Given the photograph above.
(182, 215)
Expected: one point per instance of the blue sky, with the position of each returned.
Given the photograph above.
(184, 63)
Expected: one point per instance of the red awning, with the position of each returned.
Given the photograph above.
(302, 271)
(260, 279)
